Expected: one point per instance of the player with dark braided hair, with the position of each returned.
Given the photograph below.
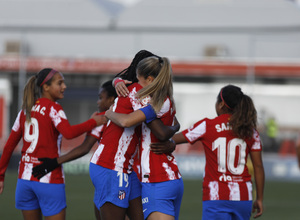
(128, 75)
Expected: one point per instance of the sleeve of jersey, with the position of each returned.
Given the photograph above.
(9, 147)
(62, 124)
(195, 132)
(97, 131)
(72, 131)
(149, 113)
(256, 146)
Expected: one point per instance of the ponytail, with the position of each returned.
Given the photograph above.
(34, 88)
(161, 87)
(30, 95)
(243, 119)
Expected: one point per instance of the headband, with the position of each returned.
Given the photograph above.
(49, 76)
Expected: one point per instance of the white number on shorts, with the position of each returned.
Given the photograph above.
(123, 176)
(31, 134)
(220, 144)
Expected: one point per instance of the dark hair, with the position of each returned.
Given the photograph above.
(130, 72)
(107, 86)
(243, 119)
(34, 88)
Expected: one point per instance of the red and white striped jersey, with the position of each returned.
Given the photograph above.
(226, 174)
(118, 145)
(158, 167)
(41, 138)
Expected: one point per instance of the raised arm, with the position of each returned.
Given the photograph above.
(126, 120)
(72, 131)
(146, 114)
(120, 86)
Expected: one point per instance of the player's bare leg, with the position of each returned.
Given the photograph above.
(59, 216)
(160, 216)
(97, 213)
(135, 210)
(110, 211)
(35, 214)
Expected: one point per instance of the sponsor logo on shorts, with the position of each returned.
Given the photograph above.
(145, 200)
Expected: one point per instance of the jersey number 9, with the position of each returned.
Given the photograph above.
(31, 134)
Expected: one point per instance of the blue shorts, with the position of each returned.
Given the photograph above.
(112, 186)
(164, 197)
(136, 186)
(226, 210)
(50, 198)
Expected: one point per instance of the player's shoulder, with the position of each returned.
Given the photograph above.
(46, 102)
(134, 86)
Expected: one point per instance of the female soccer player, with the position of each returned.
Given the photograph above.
(41, 122)
(162, 186)
(106, 97)
(111, 164)
(227, 140)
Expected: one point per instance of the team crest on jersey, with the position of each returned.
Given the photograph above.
(122, 194)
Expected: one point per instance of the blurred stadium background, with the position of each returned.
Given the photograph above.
(254, 44)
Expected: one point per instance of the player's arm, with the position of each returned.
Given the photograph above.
(147, 115)
(9, 147)
(259, 175)
(161, 131)
(120, 86)
(49, 164)
(159, 148)
(79, 151)
(126, 120)
(72, 131)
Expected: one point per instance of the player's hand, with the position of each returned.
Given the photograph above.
(121, 88)
(258, 207)
(163, 147)
(100, 119)
(108, 112)
(1, 187)
(47, 165)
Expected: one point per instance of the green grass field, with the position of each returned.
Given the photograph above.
(282, 199)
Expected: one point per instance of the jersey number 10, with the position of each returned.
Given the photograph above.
(229, 156)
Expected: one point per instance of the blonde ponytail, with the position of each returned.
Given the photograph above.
(162, 85)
